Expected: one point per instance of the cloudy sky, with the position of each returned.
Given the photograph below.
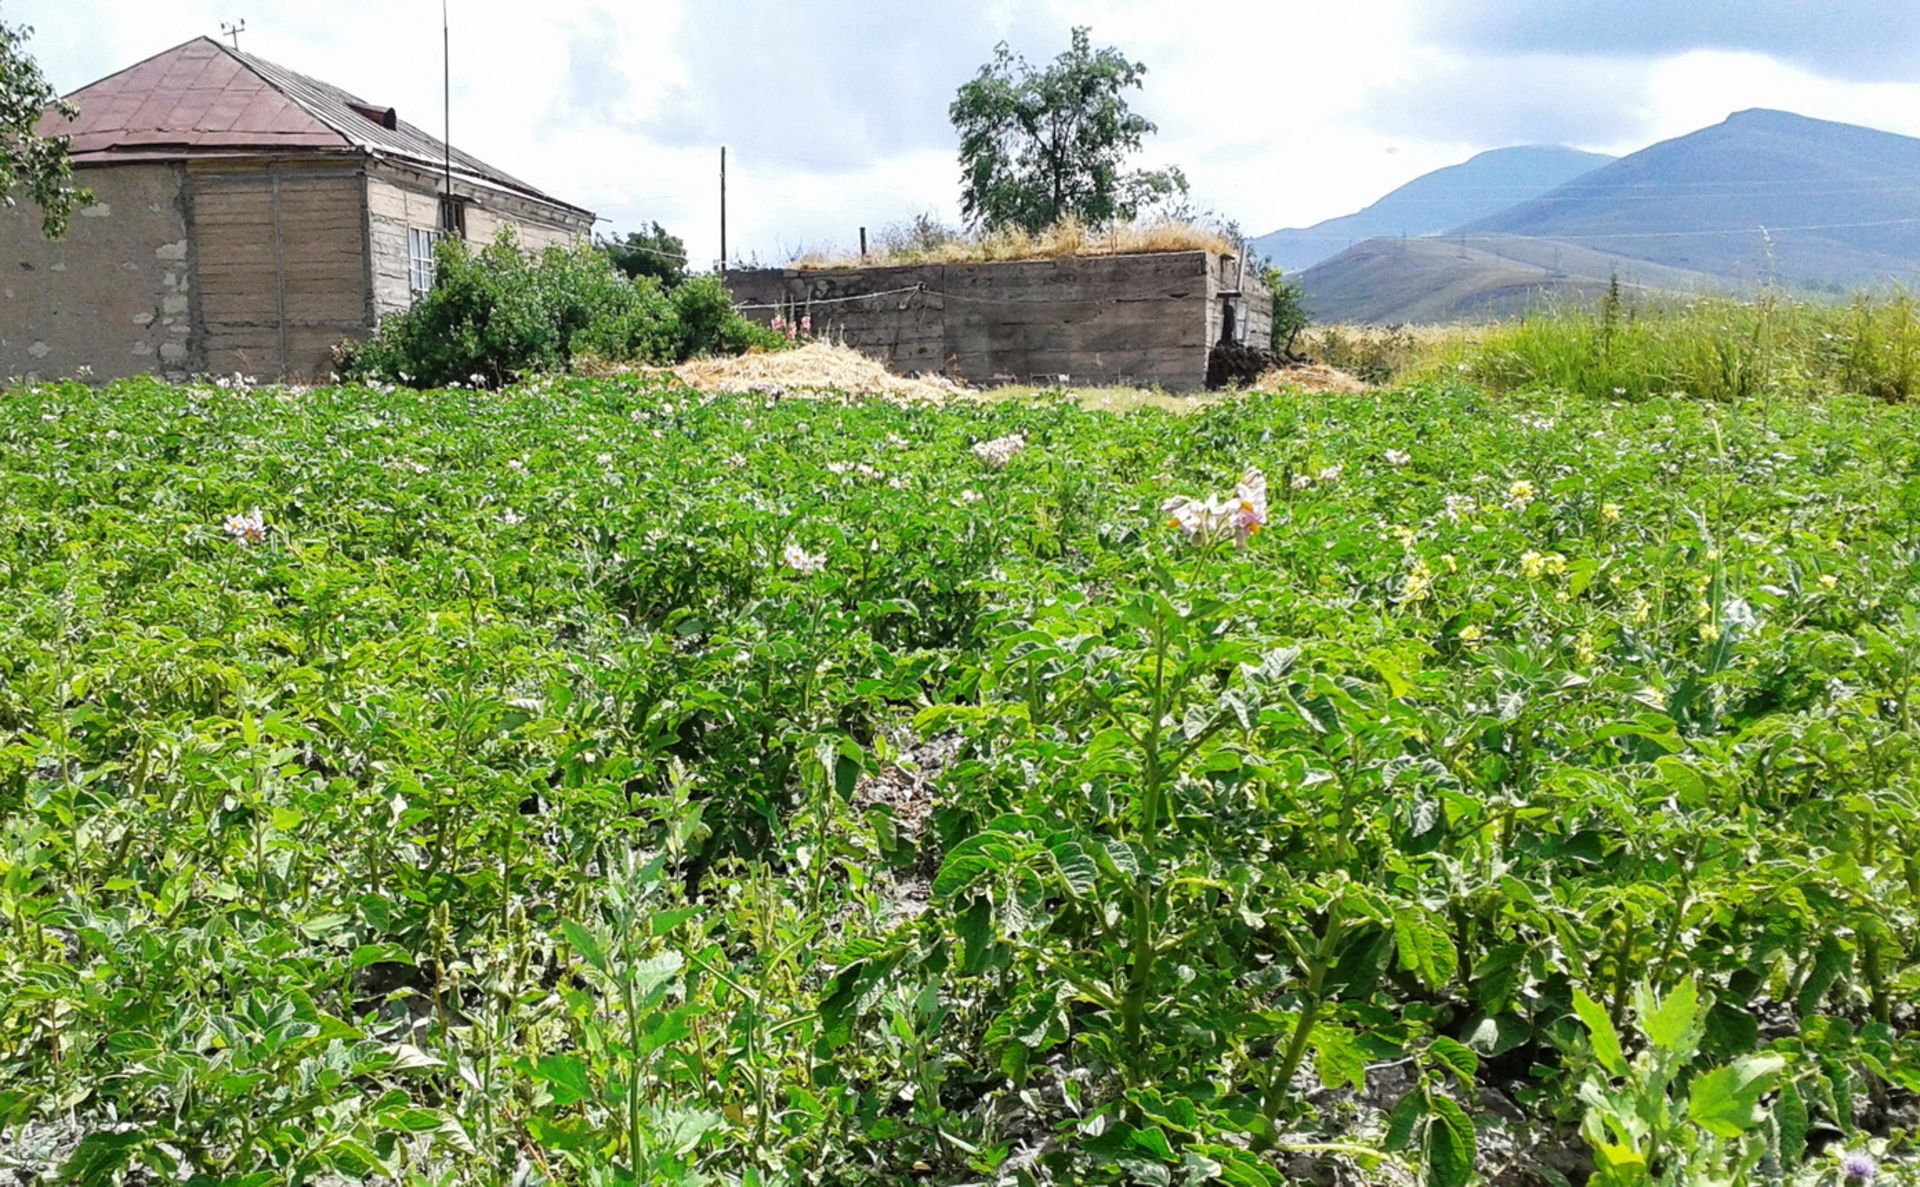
(1282, 112)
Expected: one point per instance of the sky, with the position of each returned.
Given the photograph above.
(834, 112)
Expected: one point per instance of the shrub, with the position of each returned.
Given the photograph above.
(500, 313)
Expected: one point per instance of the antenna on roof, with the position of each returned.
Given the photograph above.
(446, 95)
(233, 29)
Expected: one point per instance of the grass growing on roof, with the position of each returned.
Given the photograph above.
(1068, 238)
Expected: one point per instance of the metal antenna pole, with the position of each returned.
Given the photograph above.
(723, 208)
(446, 100)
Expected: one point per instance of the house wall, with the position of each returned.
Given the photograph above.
(1133, 319)
(113, 294)
(399, 198)
(280, 265)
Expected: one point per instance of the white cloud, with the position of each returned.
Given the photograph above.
(1280, 114)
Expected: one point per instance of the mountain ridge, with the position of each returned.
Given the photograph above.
(1483, 184)
(1762, 196)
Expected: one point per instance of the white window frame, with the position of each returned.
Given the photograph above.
(421, 242)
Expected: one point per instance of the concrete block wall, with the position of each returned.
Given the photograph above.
(1091, 320)
(111, 297)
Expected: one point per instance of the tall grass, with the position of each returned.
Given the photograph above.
(1712, 348)
(1067, 238)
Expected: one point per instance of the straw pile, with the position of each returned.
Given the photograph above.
(814, 369)
(1310, 377)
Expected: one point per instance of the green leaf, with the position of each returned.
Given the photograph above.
(1605, 1039)
(1723, 1101)
(654, 973)
(1338, 1058)
(566, 1079)
(1456, 1057)
(1450, 1143)
(1790, 1124)
(587, 945)
(1670, 1026)
(367, 954)
(1492, 1035)
(1154, 1139)
(1830, 962)
(1075, 865)
(1402, 1120)
(970, 861)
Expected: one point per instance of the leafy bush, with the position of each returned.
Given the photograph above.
(501, 313)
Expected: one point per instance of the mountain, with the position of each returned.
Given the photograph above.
(1430, 281)
(1484, 185)
(1840, 203)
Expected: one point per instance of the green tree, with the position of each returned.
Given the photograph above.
(35, 164)
(1290, 315)
(652, 252)
(1039, 145)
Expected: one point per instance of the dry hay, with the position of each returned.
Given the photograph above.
(1066, 239)
(1311, 377)
(817, 368)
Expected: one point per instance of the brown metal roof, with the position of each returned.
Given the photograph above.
(205, 99)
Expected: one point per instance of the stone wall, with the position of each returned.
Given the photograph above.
(1145, 320)
(110, 298)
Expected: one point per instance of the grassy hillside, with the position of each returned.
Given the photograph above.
(1700, 202)
(1487, 183)
(1435, 281)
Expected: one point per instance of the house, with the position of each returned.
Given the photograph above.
(1141, 318)
(246, 219)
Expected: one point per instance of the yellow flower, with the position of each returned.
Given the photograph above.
(1532, 564)
(1609, 513)
(1708, 632)
(1519, 495)
(1556, 564)
(1702, 609)
(1829, 582)
(1584, 650)
(1405, 535)
(1447, 560)
(1419, 582)
(1641, 608)
(1470, 635)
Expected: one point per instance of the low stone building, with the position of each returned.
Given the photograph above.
(1150, 319)
(246, 219)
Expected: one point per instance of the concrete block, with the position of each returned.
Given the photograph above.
(176, 250)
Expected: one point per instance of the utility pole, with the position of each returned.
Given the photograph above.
(446, 106)
(234, 29)
(723, 208)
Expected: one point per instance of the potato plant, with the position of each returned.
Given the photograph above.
(594, 781)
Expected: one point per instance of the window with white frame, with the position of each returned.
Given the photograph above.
(420, 241)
